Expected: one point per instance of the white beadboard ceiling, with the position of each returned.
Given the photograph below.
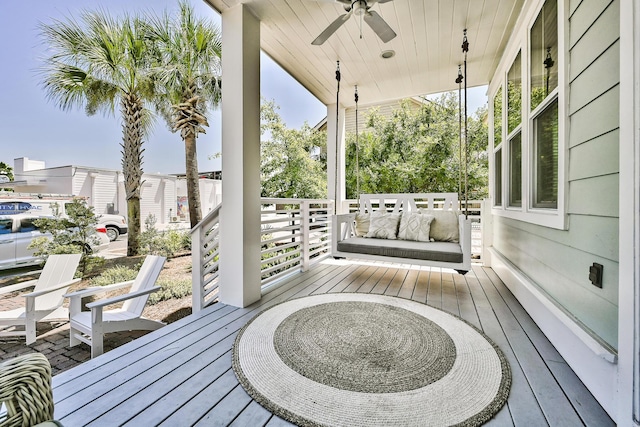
(428, 46)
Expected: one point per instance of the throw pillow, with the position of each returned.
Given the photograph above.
(415, 226)
(362, 224)
(383, 225)
(444, 227)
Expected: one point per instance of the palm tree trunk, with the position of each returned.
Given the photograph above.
(132, 109)
(193, 188)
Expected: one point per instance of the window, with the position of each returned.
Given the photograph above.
(514, 95)
(544, 53)
(528, 133)
(545, 140)
(497, 140)
(515, 170)
(497, 118)
(497, 182)
(27, 225)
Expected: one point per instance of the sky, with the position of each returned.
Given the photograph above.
(33, 127)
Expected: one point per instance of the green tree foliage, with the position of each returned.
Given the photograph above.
(74, 233)
(288, 167)
(101, 63)
(417, 150)
(187, 71)
(5, 171)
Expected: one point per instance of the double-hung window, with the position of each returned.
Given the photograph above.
(528, 170)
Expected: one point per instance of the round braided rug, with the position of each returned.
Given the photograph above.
(370, 360)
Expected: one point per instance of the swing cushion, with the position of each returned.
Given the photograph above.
(444, 227)
(429, 251)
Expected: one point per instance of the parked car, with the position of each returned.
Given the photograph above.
(18, 231)
(116, 225)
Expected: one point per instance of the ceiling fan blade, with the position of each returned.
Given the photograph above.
(379, 26)
(331, 29)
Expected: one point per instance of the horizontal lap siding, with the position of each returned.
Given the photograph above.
(558, 261)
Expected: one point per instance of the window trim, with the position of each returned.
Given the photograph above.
(521, 41)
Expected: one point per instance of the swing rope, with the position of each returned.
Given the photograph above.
(335, 194)
(357, 151)
(459, 81)
(465, 49)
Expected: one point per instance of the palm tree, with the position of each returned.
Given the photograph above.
(102, 65)
(188, 52)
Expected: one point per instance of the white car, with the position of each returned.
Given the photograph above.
(116, 225)
(17, 232)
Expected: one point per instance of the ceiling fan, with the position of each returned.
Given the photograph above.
(362, 9)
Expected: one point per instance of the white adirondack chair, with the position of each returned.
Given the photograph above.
(90, 326)
(45, 302)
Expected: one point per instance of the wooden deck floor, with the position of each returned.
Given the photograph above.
(181, 374)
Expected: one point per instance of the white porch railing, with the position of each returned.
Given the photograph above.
(296, 233)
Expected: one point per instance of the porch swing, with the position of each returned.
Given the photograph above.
(414, 228)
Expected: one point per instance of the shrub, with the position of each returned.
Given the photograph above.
(167, 243)
(171, 288)
(115, 275)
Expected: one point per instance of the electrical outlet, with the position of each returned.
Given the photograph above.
(595, 274)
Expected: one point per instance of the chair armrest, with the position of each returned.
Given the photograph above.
(52, 288)
(98, 289)
(17, 286)
(121, 298)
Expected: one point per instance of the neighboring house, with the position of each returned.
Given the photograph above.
(563, 225)
(104, 189)
(385, 109)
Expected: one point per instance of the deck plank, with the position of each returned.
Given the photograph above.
(253, 415)
(396, 283)
(554, 404)
(589, 410)
(181, 374)
(521, 406)
(423, 286)
(409, 285)
(361, 279)
(449, 300)
(182, 392)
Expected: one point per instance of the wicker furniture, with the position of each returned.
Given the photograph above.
(25, 392)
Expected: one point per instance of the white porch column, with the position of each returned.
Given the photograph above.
(337, 193)
(629, 235)
(240, 212)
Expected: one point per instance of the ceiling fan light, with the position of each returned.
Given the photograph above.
(387, 54)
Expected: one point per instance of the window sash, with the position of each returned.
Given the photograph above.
(497, 174)
(515, 170)
(545, 149)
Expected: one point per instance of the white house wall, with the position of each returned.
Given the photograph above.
(555, 261)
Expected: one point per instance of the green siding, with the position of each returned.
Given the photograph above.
(596, 118)
(602, 75)
(596, 157)
(563, 274)
(558, 261)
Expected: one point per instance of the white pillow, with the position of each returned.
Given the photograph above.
(383, 225)
(362, 224)
(415, 226)
(444, 227)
